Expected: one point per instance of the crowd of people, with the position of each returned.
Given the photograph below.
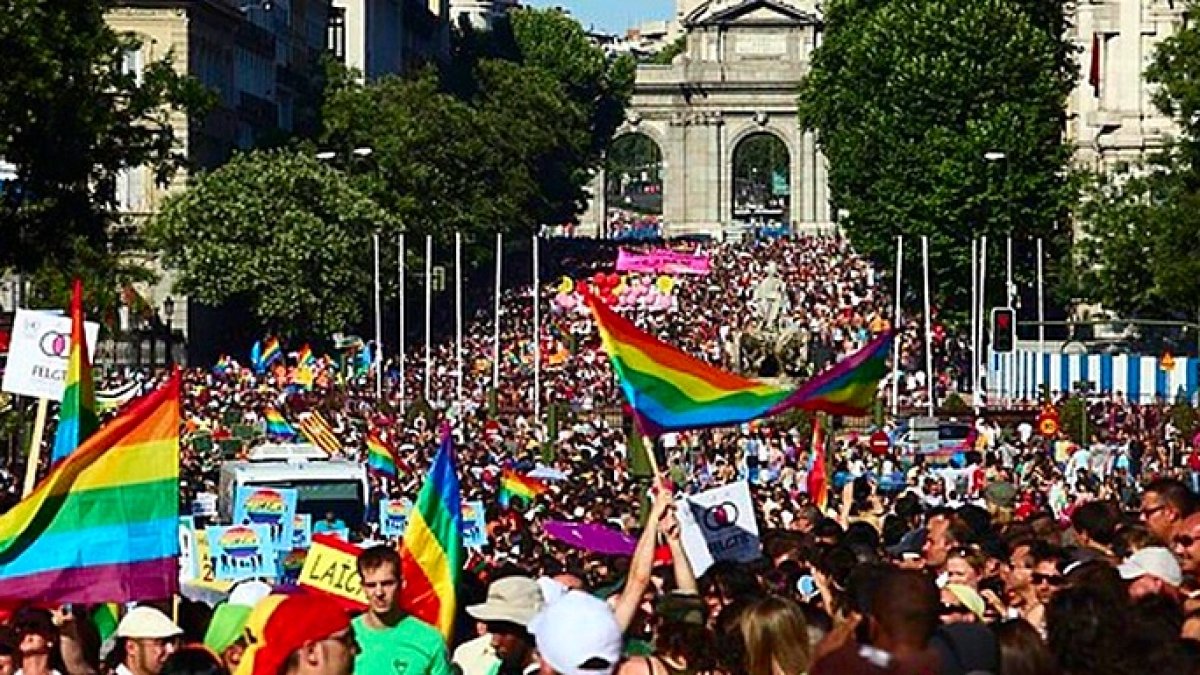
(1023, 555)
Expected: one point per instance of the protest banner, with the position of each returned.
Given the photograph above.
(291, 563)
(719, 524)
(301, 531)
(273, 507)
(241, 551)
(393, 516)
(662, 261)
(37, 356)
(331, 568)
(474, 524)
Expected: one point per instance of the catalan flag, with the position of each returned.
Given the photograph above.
(319, 433)
(381, 458)
(103, 525)
(513, 484)
(277, 424)
(77, 418)
(431, 554)
(669, 390)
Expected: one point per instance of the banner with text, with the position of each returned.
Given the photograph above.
(331, 567)
(662, 261)
(719, 524)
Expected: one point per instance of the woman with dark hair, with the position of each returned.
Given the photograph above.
(683, 644)
(1087, 633)
(194, 660)
(1022, 651)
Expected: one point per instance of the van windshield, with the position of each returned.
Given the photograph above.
(317, 497)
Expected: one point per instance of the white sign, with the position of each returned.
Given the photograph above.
(37, 357)
(719, 524)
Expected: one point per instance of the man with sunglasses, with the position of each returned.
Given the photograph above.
(1166, 502)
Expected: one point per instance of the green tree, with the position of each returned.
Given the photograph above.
(667, 55)
(907, 97)
(73, 118)
(279, 230)
(1137, 220)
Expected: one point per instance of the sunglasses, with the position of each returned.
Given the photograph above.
(1184, 540)
(1051, 579)
(1146, 513)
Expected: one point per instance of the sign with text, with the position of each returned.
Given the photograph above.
(662, 261)
(187, 549)
(474, 524)
(719, 524)
(272, 507)
(301, 531)
(331, 567)
(37, 355)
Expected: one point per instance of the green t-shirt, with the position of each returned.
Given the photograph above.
(411, 647)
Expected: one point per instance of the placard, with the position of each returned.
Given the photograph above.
(38, 353)
(241, 552)
(719, 524)
(301, 531)
(331, 567)
(291, 564)
(474, 524)
(273, 507)
(187, 549)
(393, 516)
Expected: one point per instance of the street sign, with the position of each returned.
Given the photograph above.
(1168, 362)
(880, 443)
(1047, 422)
(37, 357)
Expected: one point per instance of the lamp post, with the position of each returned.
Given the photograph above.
(168, 329)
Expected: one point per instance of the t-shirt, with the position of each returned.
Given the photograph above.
(411, 647)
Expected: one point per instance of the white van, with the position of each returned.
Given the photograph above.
(324, 485)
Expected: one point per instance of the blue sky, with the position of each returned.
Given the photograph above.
(612, 16)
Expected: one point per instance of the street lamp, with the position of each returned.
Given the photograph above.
(169, 313)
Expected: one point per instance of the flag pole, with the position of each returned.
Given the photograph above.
(496, 318)
(458, 315)
(896, 328)
(400, 279)
(35, 446)
(537, 335)
(972, 372)
(428, 311)
(378, 360)
(1041, 311)
(928, 325)
(982, 358)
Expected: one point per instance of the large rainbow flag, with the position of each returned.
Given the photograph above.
(669, 390)
(431, 554)
(77, 417)
(103, 525)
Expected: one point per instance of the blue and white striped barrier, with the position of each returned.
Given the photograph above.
(1016, 376)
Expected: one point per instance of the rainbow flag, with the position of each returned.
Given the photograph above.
(304, 356)
(431, 554)
(381, 459)
(222, 366)
(818, 482)
(277, 424)
(103, 525)
(77, 417)
(513, 484)
(669, 390)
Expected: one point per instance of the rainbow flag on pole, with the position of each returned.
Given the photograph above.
(103, 525)
(381, 459)
(431, 554)
(77, 417)
(669, 390)
(277, 424)
(513, 484)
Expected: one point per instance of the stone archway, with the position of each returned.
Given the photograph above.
(761, 183)
(633, 187)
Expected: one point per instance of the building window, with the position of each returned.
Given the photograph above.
(133, 64)
(336, 33)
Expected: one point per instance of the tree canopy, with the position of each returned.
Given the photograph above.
(907, 98)
(280, 231)
(73, 118)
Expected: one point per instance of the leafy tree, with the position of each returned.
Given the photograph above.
(907, 99)
(73, 118)
(1137, 222)
(667, 55)
(279, 230)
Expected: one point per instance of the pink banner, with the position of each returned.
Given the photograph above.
(662, 261)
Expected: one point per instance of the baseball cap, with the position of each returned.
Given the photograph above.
(1155, 561)
(147, 622)
(578, 635)
(281, 624)
(513, 599)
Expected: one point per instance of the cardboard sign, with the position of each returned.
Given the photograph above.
(291, 564)
(187, 549)
(331, 567)
(474, 524)
(301, 531)
(37, 356)
(393, 516)
(273, 507)
(241, 552)
(719, 524)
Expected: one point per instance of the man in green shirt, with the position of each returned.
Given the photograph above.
(392, 642)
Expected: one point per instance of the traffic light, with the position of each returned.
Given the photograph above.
(1004, 329)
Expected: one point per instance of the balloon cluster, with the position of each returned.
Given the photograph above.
(649, 293)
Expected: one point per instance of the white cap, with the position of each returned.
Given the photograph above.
(1155, 561)
(575, 629)
(147, 622)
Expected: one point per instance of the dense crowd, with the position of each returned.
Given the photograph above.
(1012, 554)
